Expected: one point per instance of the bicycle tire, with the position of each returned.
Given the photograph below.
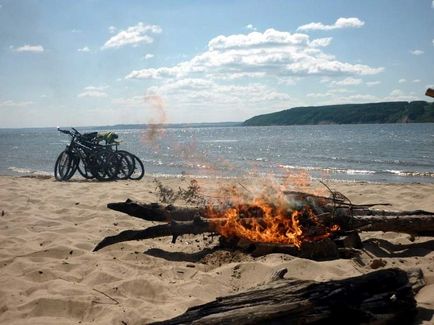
(126, 165)
(105, 165)
(83, 169)
(65, 166)
(139, 169)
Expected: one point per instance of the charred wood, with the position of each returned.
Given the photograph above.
(155, 211)
(185, 220)
(380, 297)
(174, 229)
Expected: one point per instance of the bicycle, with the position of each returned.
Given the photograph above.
(86, 154)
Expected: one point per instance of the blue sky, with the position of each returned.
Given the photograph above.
(77, 63)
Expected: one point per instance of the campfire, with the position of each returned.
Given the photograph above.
(300, 224)
(271, 220)
(266, 222)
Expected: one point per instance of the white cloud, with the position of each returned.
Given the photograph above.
(84, 49)
(347, 82)
(197, 91)
(399, 95)
(92, 91)
(396, 92)
(287, 81)
(321, 42)
(416, 81)
(402, 80)
(373, 83)
(133, 35)
(271, 53)
(248, 74)
(332, 98)
(250, 27)
(30, 48)
(352, 22)
(14, 104)
(148, 56)
(112, 29)
(417, 52)
(132, 102)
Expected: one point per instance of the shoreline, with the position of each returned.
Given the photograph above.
(24, 172)
(49, 274)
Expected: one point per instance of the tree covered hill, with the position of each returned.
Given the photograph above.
(386, 112)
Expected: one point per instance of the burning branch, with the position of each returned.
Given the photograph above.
(183, 220)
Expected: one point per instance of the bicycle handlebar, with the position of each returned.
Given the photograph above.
(64, 131)
(75, 133)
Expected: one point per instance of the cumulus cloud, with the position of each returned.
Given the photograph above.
(29, 48)
(148, 56)
(331, 97)
(134, 35)
(271, 53)
(417, 52)
(373, 83)
(84, 49)
(347, 82)
(197, 91)
(131, 102)
(14, 104)
(340, 23)
(250, 27)
(92, 91)
(321, 42)
(402, 80)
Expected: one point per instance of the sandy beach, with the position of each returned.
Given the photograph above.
(49, 274)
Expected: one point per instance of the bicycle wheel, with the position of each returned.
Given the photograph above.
(126, 165)
(139, 169)
(84, 170)
(65, 166)
(104, 165)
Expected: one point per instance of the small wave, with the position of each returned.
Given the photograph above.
(410, 173)
(356, 172)
(27, 171)
(167, 175)
(350, 171)
(220, 141)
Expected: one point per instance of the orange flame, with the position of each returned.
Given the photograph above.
(267, 219)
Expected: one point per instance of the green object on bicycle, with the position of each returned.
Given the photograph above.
(108, 137)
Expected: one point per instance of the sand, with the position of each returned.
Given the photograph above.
(49, 274)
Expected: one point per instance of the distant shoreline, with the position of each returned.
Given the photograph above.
(369, 113)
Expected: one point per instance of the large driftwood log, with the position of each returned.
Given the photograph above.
(381, 297)
(411, 224)
(181, 221)
(158, 212)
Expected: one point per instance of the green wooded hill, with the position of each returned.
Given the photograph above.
(386, 112)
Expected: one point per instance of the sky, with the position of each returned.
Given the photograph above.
(102, 62)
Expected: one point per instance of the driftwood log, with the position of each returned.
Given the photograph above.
(182, 220)
(380, 297)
